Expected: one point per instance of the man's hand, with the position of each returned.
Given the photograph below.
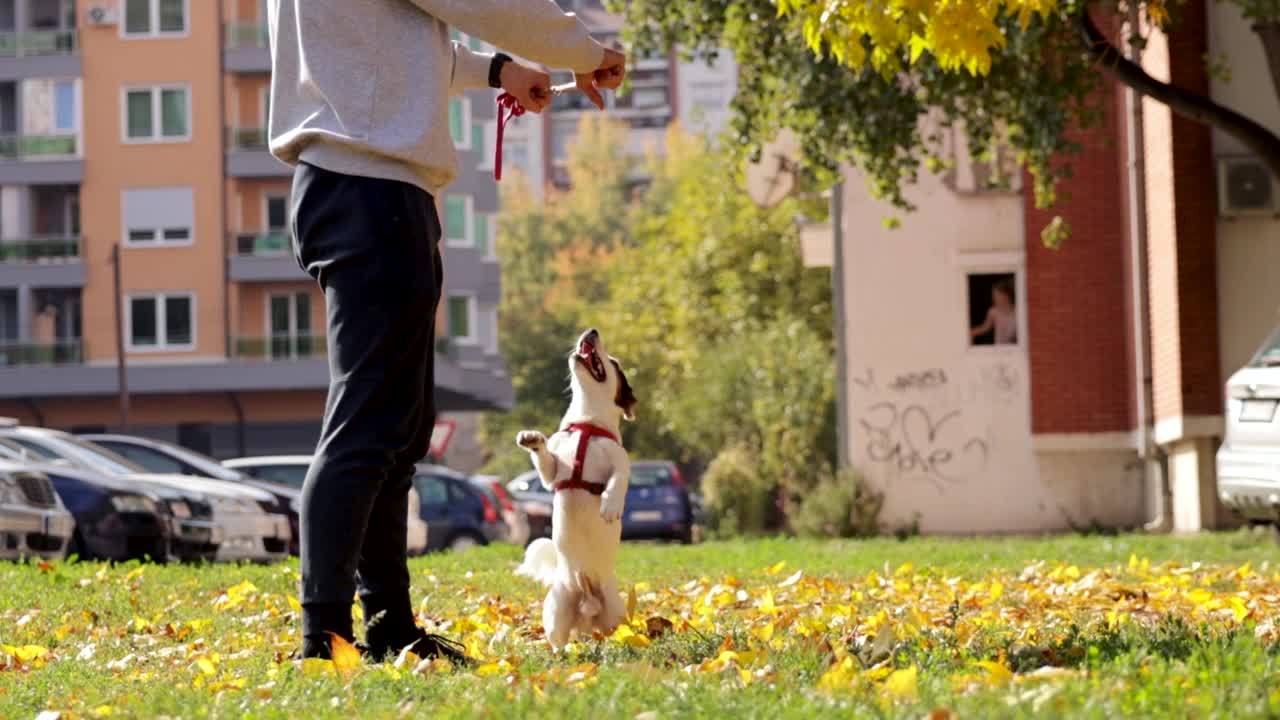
(613, 68)
(529, 86)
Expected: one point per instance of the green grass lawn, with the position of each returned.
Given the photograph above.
(1068, 626)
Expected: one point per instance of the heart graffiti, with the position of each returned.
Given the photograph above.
(912, 441)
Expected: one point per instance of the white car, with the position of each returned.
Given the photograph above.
(290, 471)
(33, 520)
(1249, 459)
(248, 531)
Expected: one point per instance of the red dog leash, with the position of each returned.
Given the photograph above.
(508, 108)
(586, 432)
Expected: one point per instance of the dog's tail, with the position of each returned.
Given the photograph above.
(539, 561)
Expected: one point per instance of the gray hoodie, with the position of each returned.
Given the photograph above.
(361, 87)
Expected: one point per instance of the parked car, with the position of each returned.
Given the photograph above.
(659, 504)
(535, 500)
(158, 456)
(33, 520)
(236, 509)
(1248, 461)
(515, 517)
(116, 519)
(460, 514)
(284, 474)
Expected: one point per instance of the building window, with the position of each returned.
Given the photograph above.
(277, 212)
(482, 232)
(151, 18)
(458, 218)
(161, 321)
(64, 106)
(157, 114)
(488, 140)
(289, 316)
(993, 308)
(158, 216)
(649, 97)
(491, 338)
(462, 318)
(460, 122)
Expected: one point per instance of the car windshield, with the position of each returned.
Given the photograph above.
(205, 464)
(1269, 354)
(291, 474)
(82, 453)
(18, 451)
(650, 476)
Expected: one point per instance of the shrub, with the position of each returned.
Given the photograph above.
(737, 498)
(839, 505)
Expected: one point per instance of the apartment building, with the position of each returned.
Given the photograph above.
(662, 89)
(133, 145)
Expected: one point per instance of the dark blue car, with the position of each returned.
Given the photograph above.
(659, 505)
(459, 515)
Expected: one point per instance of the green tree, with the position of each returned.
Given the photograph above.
(858, 79)
(703, 296)
(734, 331)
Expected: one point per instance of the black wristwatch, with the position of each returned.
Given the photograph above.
(495, 69)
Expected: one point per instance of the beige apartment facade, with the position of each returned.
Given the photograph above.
(134, 130)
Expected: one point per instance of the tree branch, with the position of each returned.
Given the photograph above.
(1190, 105)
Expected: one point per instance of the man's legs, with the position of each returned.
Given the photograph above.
(372, 245)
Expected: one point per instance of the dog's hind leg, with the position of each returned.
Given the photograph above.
(615, 611)
(559, 611)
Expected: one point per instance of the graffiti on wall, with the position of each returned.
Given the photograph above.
(919, 429)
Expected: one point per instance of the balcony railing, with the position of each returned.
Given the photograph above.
(247, 138)
(263, 244)
(280, 347)
(242, 35)
(49, 249)
(37, 147)
(57, 352)
(37, 42)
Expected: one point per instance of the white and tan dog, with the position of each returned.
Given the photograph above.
(586, 467)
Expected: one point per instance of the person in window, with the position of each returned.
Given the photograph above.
(360, 108)
(1002, 317)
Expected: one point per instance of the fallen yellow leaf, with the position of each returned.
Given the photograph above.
(901, 684)
(997, 674)
(625, 635)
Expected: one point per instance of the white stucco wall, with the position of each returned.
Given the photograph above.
(942, 428)
(1248, 247)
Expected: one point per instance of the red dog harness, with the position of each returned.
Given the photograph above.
(585, 431)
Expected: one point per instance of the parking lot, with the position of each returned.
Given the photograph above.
(121, 497)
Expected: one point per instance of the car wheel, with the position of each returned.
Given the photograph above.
(464, 542)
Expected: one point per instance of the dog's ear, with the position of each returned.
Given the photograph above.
(625, 398)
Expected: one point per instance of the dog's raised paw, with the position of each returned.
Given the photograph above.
(531, 440)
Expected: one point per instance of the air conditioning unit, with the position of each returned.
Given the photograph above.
(102, 15)
(1246, 188)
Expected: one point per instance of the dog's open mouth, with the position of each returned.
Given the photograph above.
(588, 358)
